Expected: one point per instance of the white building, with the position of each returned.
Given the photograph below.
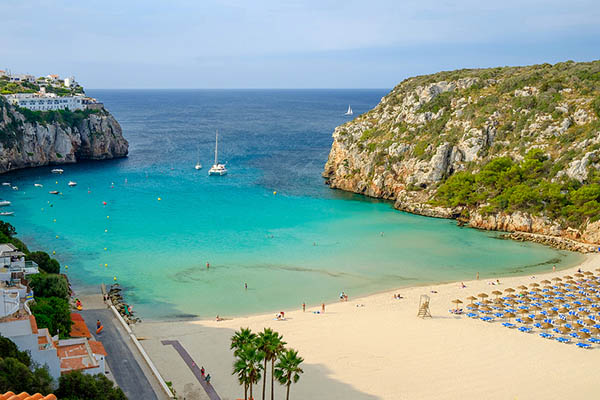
(21, 78)
(70, 81)
(13, 265)
(45, 102)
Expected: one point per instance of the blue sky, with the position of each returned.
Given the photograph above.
(287, 44)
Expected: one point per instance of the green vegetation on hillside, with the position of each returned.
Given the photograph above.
(505, 185)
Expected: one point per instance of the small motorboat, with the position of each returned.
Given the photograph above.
(71, 183)
(6, 184)
(54, 192)
(57, 171)
(4, 203)
(38, 185)
(6, 213)
(15, 188)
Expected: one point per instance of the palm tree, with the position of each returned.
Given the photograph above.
(252, 358)
(287, 369)
(272, 345)
(243, 337)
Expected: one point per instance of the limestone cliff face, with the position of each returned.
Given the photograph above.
(31, 142)
(429, 128)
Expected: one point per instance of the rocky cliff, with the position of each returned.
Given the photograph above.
(33, 139)
(514, 149)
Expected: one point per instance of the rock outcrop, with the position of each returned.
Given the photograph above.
(428, 128)
(32, 142)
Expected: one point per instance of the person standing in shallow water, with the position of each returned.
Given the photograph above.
(303, 307)
(323, 308)
(477, 276)
(554, 268)
(245, 285)
(207, 265)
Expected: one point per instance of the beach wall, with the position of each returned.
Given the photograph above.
(29, 139)
(430, 130)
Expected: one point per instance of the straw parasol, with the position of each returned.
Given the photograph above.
(527, 320)
(557, 279)
(568, 277)
(534, 285)
(540, 317)
(485, 308)
(482, 296)
(583, 335)
(457, 302)
(572, 317)
(589, 322)
(472, 298)
(524, 312)
(579, 275)
(522, 287)
(510, 315)
(497, 293)
(546, 282)
(576, 325)
(484, 302)
(535, 308)
(563, 310)
(594, 331)
(564, 330)
(588, 273)
(546, 326)
(509, 290)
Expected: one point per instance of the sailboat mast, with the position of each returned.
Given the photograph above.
(216, 145)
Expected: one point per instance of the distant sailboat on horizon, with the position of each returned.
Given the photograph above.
(349, 112)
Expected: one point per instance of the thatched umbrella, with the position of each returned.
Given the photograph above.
(588, 273)
(534, 285)
(472, 298)
(583, 335)
(522, 287)
(510, 315)
(546, 326)
(509, 290)
(557, 279)
(484, 302)
(571, 282)
(497, 293)
(527, 320)
(584, 313)
(485, 308)
(563, 310)
(594, 331)
(535, 308)
(597, 269)
(579, 275)
(552, 313)
(589, 322)
(564, 330)
(546, 282)
(568, 277)
(457, 302)
(540, 317)
(482, 296)
(572, 317)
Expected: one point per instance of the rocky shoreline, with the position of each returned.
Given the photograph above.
(85, 135)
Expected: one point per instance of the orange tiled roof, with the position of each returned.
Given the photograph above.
(26, 396)
(97, 347)
(75, 357)
(79, 329)
(33, 323)
(42, 340)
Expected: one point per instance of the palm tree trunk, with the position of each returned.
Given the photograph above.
(264, 379)
(251, 397)
(272, 379)
(245, 391)
(287, 396)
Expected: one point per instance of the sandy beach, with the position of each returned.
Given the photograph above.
(376, 347)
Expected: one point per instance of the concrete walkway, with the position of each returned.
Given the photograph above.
(123, 364)
(208, 388)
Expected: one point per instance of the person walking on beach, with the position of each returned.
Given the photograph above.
(554, 268)
(323, 308)
(303, 307)
(202, 370)
(207, 379)
(477, 276)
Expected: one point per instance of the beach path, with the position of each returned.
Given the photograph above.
(125, 368)
(210, 391)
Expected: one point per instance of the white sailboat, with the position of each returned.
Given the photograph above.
(349, 112)
(217, 169)
(198, 165)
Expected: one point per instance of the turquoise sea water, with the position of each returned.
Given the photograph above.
(305, 243)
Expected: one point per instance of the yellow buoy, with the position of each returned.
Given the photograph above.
(106, 265)
(275, 192)
(115, 278)
(106, 230)
(54, 220)
(57, 236)
(57, 182)
(66, 267)
(108, 216)
(105, 248)
(53, 252)
(159, 199)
